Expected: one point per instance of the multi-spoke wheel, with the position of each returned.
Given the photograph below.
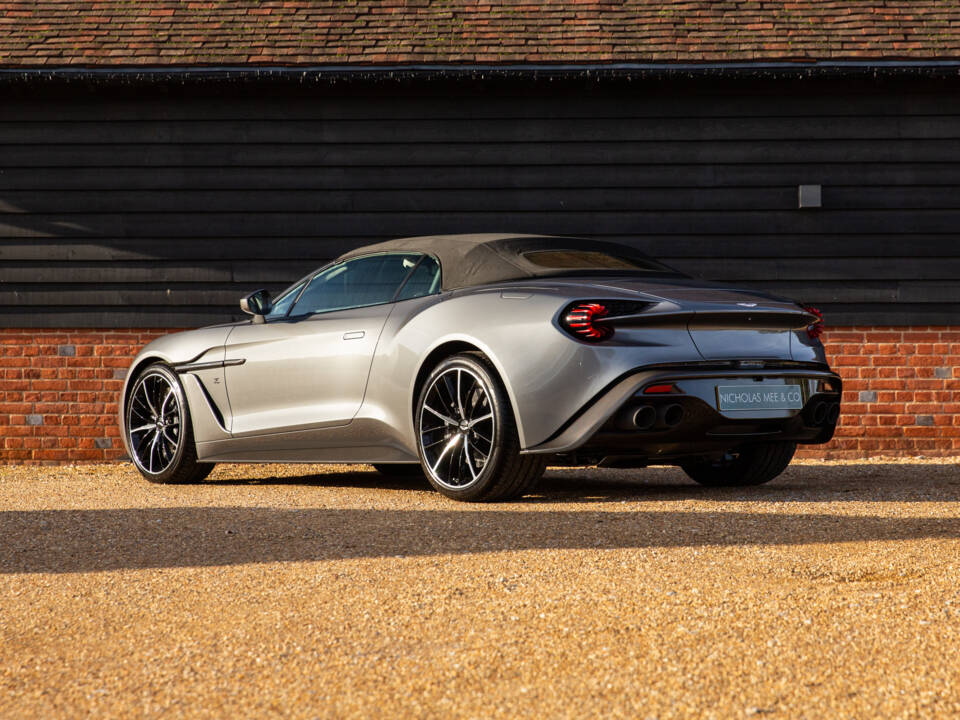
(467, 436)
(158, 429)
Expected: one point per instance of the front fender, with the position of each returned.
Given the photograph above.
(183, 347)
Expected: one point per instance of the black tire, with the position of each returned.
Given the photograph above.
(148, 402)
(462, 473)
(398, 469)
(753, 465)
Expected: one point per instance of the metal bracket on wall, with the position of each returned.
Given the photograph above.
(809, 196)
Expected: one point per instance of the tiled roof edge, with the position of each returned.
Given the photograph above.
(380, 73)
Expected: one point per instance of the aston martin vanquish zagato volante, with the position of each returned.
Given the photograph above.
(478, 359)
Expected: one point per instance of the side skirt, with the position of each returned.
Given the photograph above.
(362, 441)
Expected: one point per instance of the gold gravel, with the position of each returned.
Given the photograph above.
(314, 592)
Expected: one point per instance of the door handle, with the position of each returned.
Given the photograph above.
(355, 335)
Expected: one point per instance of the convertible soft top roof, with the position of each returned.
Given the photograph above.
(480, 259)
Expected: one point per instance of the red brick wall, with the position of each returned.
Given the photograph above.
(901, 391)
(58, 398)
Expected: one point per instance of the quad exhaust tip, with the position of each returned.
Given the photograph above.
(649, 417)
(671, 415)
(645, 417)
(819, 413)
(825, 413)
(833, 414)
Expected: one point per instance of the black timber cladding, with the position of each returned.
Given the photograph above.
(160, 206)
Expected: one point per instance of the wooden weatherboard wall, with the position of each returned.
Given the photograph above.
(158, 207)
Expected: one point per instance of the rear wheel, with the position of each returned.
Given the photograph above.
(159, 431)
(467, 436)
(752, 465)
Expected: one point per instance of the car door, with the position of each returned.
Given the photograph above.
(307, 366)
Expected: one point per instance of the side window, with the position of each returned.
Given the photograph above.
(425, 280)
(364, 281)
(283, 303)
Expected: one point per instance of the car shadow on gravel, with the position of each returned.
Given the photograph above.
(63, 541)
(369, 479)
(874, 482)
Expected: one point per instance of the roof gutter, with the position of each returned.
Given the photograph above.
(364, 74)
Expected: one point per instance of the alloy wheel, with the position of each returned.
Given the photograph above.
(154, 422)
(457, 428)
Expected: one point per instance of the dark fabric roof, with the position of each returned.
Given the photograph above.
(484, 258)
(333, 32)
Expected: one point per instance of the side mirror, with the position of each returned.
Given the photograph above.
(257, 304)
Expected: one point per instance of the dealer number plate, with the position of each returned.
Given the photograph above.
(759, 397)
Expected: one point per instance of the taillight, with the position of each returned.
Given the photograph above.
(580, 320)
(658, 389)
(594, 320)
(816, 328)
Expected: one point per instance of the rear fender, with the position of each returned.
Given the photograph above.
(547, 374)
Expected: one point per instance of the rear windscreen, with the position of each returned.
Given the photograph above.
(591, 260)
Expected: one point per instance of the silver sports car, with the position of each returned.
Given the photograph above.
(478, 359)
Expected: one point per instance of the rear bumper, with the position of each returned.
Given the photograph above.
(623, 420)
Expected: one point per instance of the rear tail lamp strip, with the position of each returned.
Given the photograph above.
(580, 321)
(816, 328)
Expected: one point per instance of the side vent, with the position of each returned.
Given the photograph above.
(218, 416)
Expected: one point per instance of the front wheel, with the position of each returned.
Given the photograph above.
(752, 465)
(158, 429)
(467, 435)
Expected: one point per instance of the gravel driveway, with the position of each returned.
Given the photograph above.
(311, 592)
